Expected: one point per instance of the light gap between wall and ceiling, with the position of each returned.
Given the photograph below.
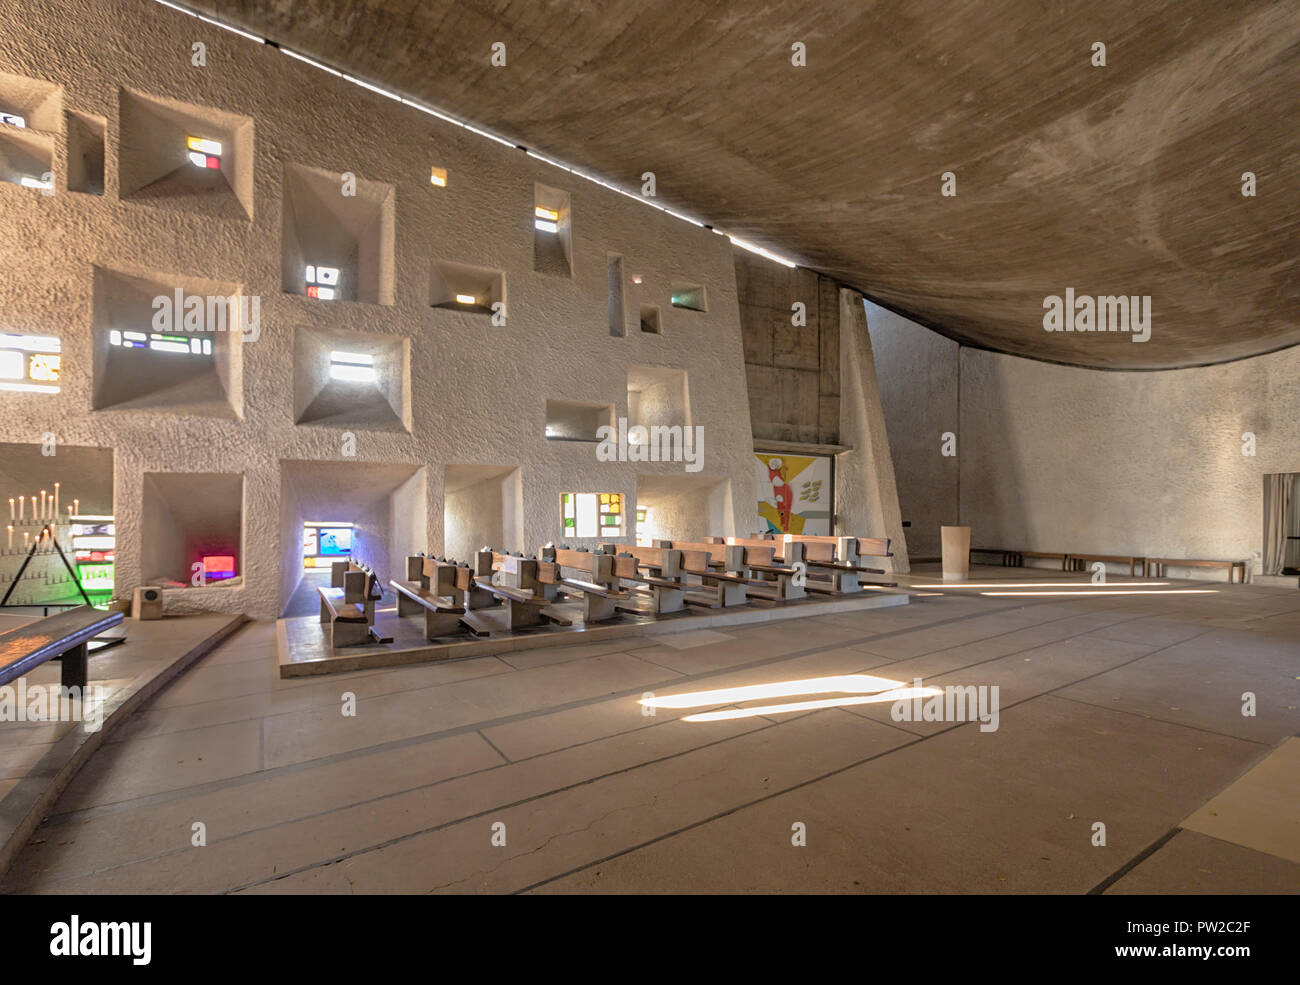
(447, 118)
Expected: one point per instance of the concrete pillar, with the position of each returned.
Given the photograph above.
(866, 495)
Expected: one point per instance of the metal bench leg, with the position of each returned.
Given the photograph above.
(76, 666)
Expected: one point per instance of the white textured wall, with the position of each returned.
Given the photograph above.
(477, 392)
(866, 495)
(1066, 459)
(917, 372)
(475, 517)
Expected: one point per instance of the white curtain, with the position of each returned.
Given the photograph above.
(1279, 510)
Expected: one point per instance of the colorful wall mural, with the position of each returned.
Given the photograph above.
(795, 493)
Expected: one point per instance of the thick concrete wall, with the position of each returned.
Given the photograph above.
(1067, 459)
(793, 370)
(476, 392)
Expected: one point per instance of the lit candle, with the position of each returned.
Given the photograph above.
(11, 507)
(25, 536)
(76, 506)
(11, 536)
(42, 516)
(22, 508)
(55, 511)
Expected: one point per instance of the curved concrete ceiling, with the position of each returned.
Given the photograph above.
(1123, 179)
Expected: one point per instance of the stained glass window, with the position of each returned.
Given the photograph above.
(592, 514)
(30, 362)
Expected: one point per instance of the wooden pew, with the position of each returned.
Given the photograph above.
(435, 588)
(347, 612)
(662, 578)
(519, 588)
(779, 580)
(373, 591)
(600, 591)
(720, 569)
(347, 605)
(835, 564)
(64, 636)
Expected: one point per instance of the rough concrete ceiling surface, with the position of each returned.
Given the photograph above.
(1122, 179)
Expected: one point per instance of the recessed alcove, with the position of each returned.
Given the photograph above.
(691, 297)
(351, 234)
(351, 379)
(30, 118)
(482, 504)
(689, 506)
(461, 287)
(190, 364)
(85, 153)
(187, 518)
(650, 319)
(26, 158)
(657, 395)
(617, 298)
(575, 420)
(78, 481)
(552, 231)
(36, 102)
(184, 156)
(386, 503)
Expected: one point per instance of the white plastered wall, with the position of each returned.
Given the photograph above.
(1058, 458)
(477, 391)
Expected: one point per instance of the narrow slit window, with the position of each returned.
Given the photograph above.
(352, 367)
(189, 345)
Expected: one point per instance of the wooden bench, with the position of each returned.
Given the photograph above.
(600, 591)
(774, 580)
(64, 636)
(834, 564)
(1159, 564)
(348, 607)
(662, 579)
(1007, 558)
(1080, 562)
(1041, 555)
(436, 589)
(519, 589)
(374, 592)
(720, 569)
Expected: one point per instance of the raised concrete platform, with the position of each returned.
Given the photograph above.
(305, 651)
(38, 759)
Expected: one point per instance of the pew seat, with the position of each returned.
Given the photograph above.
(442, 616)
(522, 607)
(346, 621)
